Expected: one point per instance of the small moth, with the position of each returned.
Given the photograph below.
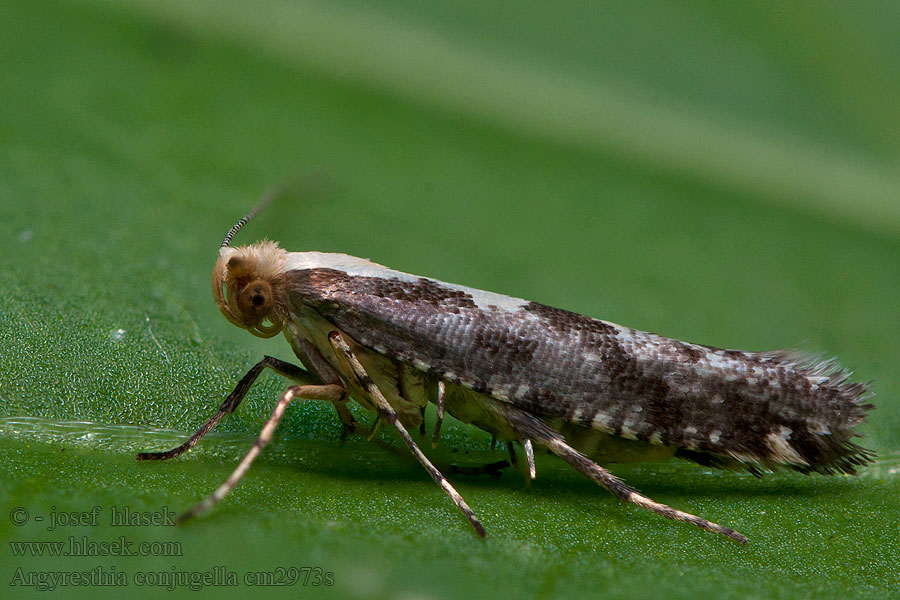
(527, 373)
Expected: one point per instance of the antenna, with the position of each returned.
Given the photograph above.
(270, 194)
(309, 181)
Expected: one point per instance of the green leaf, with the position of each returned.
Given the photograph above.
(722, 173)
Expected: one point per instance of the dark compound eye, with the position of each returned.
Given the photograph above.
(255, 299)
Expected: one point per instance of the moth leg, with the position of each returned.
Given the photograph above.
(331, 392)
(532, 427)
(352, 426)
(513, 459)
(348, 423)
(529, 455)
(376, 427)
(316, 363)
(387, 413)
(436, 436)
(232, 401)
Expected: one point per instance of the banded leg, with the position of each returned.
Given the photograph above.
(232, 401)
(529, 456)
(387, 413)
(531, 427)
(331, 392)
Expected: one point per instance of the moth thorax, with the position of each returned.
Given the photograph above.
(246, 285)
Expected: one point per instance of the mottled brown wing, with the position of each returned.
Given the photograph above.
(765, 408)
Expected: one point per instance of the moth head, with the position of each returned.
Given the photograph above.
(247, 284)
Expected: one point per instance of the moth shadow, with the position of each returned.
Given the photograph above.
(684, 479)
(365, 462)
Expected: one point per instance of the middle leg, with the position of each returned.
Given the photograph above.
(387, 413)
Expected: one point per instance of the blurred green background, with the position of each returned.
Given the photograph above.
(719, 172)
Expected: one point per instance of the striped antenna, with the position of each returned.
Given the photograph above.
(270, 194)
(307, 184)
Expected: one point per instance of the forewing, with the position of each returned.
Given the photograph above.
(557, 364)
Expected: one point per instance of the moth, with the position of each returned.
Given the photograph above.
(529, 374)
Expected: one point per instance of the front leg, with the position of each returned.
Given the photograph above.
(232, 401)
(387, 413)
(309, 389)
(331, 392)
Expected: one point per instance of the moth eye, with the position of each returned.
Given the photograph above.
(255, 300)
